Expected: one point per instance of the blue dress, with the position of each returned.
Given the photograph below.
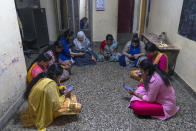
(132, 51)
(65, 54)
(110, 49)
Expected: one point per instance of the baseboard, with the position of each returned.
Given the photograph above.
(10, 112)
(97, 42)
(185, 85)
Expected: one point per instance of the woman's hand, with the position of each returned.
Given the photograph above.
(115, 51)
(66, 67)
(102, 51)
(67, 93)
(136, 56)
(93, 58)
(131, 92)
(81, 53)
(135, 94)
(130, 56)
(69, 63)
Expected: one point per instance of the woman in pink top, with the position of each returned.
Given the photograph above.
(40, 65)
(157, 97)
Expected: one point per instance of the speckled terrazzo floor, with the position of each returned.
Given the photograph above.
(99, 89)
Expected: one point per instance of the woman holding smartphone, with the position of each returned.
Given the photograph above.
(157, 97)
(45, 102)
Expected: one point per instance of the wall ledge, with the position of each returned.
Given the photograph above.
(11, 112)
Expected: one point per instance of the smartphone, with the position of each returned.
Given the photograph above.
(128, 88)
(139, 73)
(70, 88)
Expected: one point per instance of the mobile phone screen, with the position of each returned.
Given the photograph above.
(139, 73)
(128, 88)
(70, 88)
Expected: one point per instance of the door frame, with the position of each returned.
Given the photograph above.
(142, 17)
(90, 21)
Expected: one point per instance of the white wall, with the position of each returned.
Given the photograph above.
(105, 22)
(136, 15)
(165, 16)
(12, 62)
(82, 9)
(49, 6)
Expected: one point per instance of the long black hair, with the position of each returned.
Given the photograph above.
(65, 35)
(42, 57)
(135, 40)
(53, 70)
(148, 66)
(150, 47)
(84, 20)
(109, 37)
(58, 44)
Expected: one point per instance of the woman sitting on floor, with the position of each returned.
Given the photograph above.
(38, 66)
(84, 23)
(153, 54)
(45, 103)
(132, 52)
(157, 97)
(54, 52)
(108, 50)
(66, 38)
(83, 52)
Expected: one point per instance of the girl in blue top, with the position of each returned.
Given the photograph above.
(132, 53)
(67, 36)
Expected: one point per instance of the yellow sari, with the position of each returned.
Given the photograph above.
(45, 104)
(134, 74)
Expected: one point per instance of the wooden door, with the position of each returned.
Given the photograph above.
(125, 16)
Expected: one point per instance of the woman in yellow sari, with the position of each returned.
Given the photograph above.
(158, 58)
(45, 102)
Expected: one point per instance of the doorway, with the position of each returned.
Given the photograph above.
(85, 17)
(71, 14)
(125, 16)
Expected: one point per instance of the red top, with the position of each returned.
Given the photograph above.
(102, 45)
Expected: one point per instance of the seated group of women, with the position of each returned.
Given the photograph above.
(80, 53)
(46, 100)
(154, 97)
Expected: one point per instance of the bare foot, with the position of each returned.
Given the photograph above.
(93, 58)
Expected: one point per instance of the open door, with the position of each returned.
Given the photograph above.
(71, 12)
(85, 17)
(125, 16)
